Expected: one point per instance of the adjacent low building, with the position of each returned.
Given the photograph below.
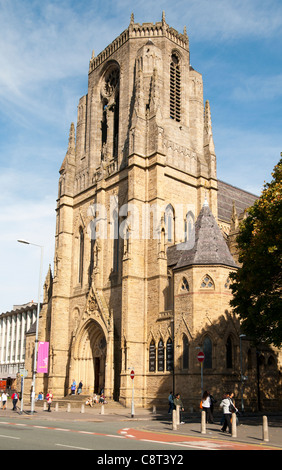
(14, 326)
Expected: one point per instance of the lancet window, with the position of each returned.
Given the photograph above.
(81, 256)
(110, 114)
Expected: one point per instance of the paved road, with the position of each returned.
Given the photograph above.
(117, 431)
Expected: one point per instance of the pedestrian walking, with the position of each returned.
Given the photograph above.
(206, 406)
(73, 387)
(235, 410)
(170, 403)
(226, 405)
(178, 402)
(79, 389)
(15, 398)
(4, 400)
(49, 398)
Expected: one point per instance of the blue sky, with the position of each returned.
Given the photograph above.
(45, 48)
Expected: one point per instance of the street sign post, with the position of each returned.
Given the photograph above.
(23, 375)
(201, 358)
(132, 374)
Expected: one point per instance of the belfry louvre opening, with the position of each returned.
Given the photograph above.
(175, 88)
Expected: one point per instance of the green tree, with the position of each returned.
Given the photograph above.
(257, 285)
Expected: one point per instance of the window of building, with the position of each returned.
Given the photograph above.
(110, 114)
(169, 223)
(152, 357)
(81, 256)
(169, 354)
(189, 228)
(207, 350)
(271, 362)
(161, 356)
(116, 242)
(207, 283)
(175, 88)
(185, 356)
(229, 362)
(184, 285)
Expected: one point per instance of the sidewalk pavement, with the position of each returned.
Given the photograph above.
(249, 431)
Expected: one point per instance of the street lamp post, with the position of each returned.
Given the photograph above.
(242, 376)
(37, 323)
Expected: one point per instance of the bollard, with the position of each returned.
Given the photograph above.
(174, 425)
(68, 407)
(154, 409)
(45, 406)
(57, 406)
(265, 429)
(102, 410)
(177, 415)
(203, 422)
(234, 425)
(82, 408)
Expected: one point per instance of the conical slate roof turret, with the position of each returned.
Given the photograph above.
(209, 247)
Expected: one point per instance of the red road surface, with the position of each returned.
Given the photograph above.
(191, 441)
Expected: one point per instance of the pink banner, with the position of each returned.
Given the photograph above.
(42, 357)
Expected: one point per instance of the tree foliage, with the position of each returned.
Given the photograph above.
(257, 285)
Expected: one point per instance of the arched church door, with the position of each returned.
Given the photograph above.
(90, 358)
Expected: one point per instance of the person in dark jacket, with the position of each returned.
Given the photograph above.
(15, 398)
(170, 402)
(178, 402)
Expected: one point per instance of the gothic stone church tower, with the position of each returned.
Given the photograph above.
(141, 267)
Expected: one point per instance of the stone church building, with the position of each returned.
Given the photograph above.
(145, 235)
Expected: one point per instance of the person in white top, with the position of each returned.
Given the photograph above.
(226, 406)
(206, 406)
(4, 400)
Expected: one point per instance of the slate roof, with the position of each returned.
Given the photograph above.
(209, 247)
(227, 194)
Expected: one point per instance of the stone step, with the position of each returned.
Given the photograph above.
(77, 400)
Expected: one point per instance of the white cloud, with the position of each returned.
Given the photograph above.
(45, 47)
(264, 87)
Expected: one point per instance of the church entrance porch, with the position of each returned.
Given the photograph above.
(89, 358)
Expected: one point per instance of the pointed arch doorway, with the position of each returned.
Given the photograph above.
(89, 358)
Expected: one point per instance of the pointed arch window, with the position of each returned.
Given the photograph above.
(175, 88)
(185, 352)
(169, 223)
(116, 242)
(184, 285)
(161, 356)
(110, 113)
(169, 354)
(81, 256)
(189, 229)
(207, 282)
(229, 361)
(207, 349)
(152, 356)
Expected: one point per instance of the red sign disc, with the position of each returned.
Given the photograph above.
(201, 356)
(132, 374)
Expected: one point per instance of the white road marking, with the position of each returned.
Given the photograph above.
(9, 437)
(72, 447)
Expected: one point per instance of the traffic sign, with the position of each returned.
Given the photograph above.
(132, 374)
(201, 356)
